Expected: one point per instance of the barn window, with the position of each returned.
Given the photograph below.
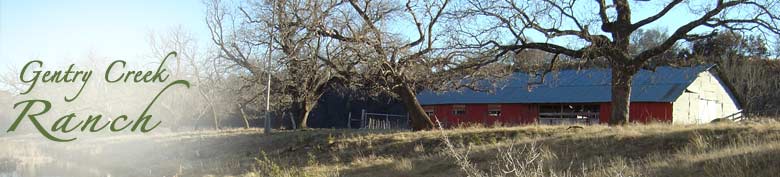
(459, 110)
(569, 113)
(429, 111)
(494, 110)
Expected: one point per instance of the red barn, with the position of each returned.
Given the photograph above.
(683, 95)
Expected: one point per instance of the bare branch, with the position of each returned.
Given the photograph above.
(655, 17)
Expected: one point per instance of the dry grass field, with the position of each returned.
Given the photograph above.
(723, 149)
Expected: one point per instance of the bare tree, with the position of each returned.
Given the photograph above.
(381, 58)
(601, 29)
(385, 57)
(10, 82)
(281, 28)
(185, 66)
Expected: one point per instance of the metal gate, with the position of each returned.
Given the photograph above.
(368, 120)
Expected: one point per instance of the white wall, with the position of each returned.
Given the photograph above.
(704, 100)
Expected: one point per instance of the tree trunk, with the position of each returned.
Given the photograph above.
(305, 108)
(419, 120)
(243, 115)
(216, 118)
(303, 120)
(621, 95)
(213, 109)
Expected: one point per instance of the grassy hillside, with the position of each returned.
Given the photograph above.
(726, 149)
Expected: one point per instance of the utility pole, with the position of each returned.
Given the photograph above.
(268, 84)
(268, 102)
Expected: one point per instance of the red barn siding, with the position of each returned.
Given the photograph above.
(519, 113)
(444, 114)
(478, 113)
(511, 113)
(515, 114)
(641, 112)
(528, 113)
(651, 112)
(604, 113)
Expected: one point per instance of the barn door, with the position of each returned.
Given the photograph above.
(708, 110)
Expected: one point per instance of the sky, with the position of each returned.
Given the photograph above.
(61, 31)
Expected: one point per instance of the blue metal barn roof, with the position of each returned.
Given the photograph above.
(575, 86)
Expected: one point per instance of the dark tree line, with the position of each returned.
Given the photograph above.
(748, 66)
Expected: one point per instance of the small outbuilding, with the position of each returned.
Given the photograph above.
(679, 95)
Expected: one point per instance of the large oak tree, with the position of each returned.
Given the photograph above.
(402, 47)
